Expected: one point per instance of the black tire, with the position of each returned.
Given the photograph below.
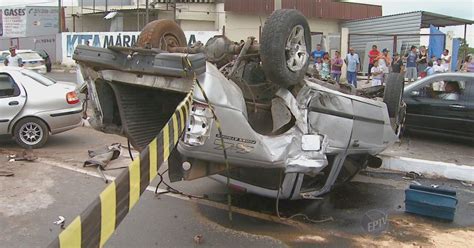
(35, 123)
(392, 96)
(275, 34)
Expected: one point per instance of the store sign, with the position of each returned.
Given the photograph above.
(14, 22)
(105, 39)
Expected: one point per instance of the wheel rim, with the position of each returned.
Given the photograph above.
(296, 53)
(31, 133)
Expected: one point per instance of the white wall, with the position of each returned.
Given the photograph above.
(240, 26)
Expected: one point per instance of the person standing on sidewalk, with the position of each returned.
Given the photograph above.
(318, 53)
(378, 72)
(336, 65)
(373, 54)
(422, 60)
(397, 63)
(446, 60)
(411, 57)
(13, 59)
(352, 61)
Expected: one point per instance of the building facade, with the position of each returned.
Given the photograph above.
(238, 19)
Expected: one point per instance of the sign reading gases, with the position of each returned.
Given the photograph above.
(14, 22)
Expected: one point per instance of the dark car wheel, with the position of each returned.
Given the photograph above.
(31, 132)
(285, 47)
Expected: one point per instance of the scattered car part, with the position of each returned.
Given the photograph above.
(25, 155)
(102, 157)
(60, 222)
(431, 202)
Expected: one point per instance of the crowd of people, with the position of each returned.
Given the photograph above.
(415, 64)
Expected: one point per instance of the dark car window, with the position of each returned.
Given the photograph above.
(8, 87)
(444, 89)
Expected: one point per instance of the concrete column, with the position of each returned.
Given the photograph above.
(449, 45)
(344, 50)
(277, 4)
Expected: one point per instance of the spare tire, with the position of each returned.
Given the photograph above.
(161, 34)
(392, 97)
(285, 47)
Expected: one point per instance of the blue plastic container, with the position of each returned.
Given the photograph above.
(428, 201)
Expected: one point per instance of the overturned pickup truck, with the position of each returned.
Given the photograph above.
(287, 134)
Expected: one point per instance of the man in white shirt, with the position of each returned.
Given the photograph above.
(446, 60)
(13, 59)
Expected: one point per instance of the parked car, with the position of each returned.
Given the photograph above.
(286, 133)
(30, 59)
(46, 58)
(442, 104)
(33, 106)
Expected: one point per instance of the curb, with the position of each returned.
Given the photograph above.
(427, 167)
(64, 70)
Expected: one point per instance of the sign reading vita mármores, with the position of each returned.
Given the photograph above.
(106, 39)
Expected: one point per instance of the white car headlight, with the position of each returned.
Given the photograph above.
(199, 125)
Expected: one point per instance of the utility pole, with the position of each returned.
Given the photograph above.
(277, 4)
(174, 11)
(146, 12)
(59, 17)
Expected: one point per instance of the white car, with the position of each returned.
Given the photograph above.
(31, 60)
(33, 106)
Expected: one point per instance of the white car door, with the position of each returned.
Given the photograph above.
(12, 100)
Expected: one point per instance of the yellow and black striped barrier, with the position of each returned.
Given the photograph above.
(100, 219)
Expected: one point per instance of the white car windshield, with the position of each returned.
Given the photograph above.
(29, 56)
(39, 78)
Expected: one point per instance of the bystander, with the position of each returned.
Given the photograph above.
(373, 55)
(352, 61)
(336, 66)
(13, 59)
(411, 73)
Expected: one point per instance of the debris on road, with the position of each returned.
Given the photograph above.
(6, 173)
(25, 155)
(198, 239)
(467, 184)
(412, 175)
(60, 222)
(431, 202)
(102, 157)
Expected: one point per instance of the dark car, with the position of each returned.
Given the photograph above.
(442, 104)
(47, 59)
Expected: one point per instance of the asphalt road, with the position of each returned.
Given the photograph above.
(57, 184)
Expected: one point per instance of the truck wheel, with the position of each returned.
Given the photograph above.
(393, 93)
(161, 34)
(285, 47)
(31, 132)
(392, 97)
